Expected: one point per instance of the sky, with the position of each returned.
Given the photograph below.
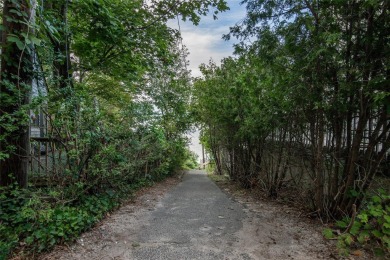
(205, 42)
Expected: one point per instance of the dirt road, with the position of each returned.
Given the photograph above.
(196, 220)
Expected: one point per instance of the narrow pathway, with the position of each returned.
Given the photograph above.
(196, 220)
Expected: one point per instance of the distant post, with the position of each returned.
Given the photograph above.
(203, 159)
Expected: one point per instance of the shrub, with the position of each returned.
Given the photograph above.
(35, 221)
(370, 228)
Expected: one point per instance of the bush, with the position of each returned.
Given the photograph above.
(370, 228)
(191, 160)
(34, 221)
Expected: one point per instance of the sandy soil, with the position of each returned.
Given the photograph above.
(274, 231)
(278, 225)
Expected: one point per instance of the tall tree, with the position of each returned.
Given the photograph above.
(15, 85)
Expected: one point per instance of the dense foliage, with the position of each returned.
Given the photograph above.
(370, 227)
(305, 104)
(94, 99)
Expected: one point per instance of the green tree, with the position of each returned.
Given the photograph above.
(85, 46)
(15, 85)
(311, 96)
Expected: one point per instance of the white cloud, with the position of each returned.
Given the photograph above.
(202, 47)
(204, 41)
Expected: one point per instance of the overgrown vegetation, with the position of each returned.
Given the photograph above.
(35, 221)
(192, 160)
(304, 106)
(371, 227)
(94, 99)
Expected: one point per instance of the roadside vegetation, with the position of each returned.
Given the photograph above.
(302, 111)
(94, 100)
(192, 161)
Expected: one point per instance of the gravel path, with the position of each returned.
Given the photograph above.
(196, 220)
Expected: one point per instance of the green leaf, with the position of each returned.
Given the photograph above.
(363, 237)
(376, 211)
(328, 233)
(13, 38)
(386, 239)
(376, 199)
(348, 240)
(355, 228)
(17, 41)
(363, 217)
(341, 224)
(15, 11)
(377, 233)
(35, 40)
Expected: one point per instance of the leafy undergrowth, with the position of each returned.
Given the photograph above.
(369, 230)
(33, 221)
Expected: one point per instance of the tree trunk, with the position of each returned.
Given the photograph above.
(62, 63)
(15, 87)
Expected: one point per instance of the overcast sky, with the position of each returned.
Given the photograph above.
(205, 42)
